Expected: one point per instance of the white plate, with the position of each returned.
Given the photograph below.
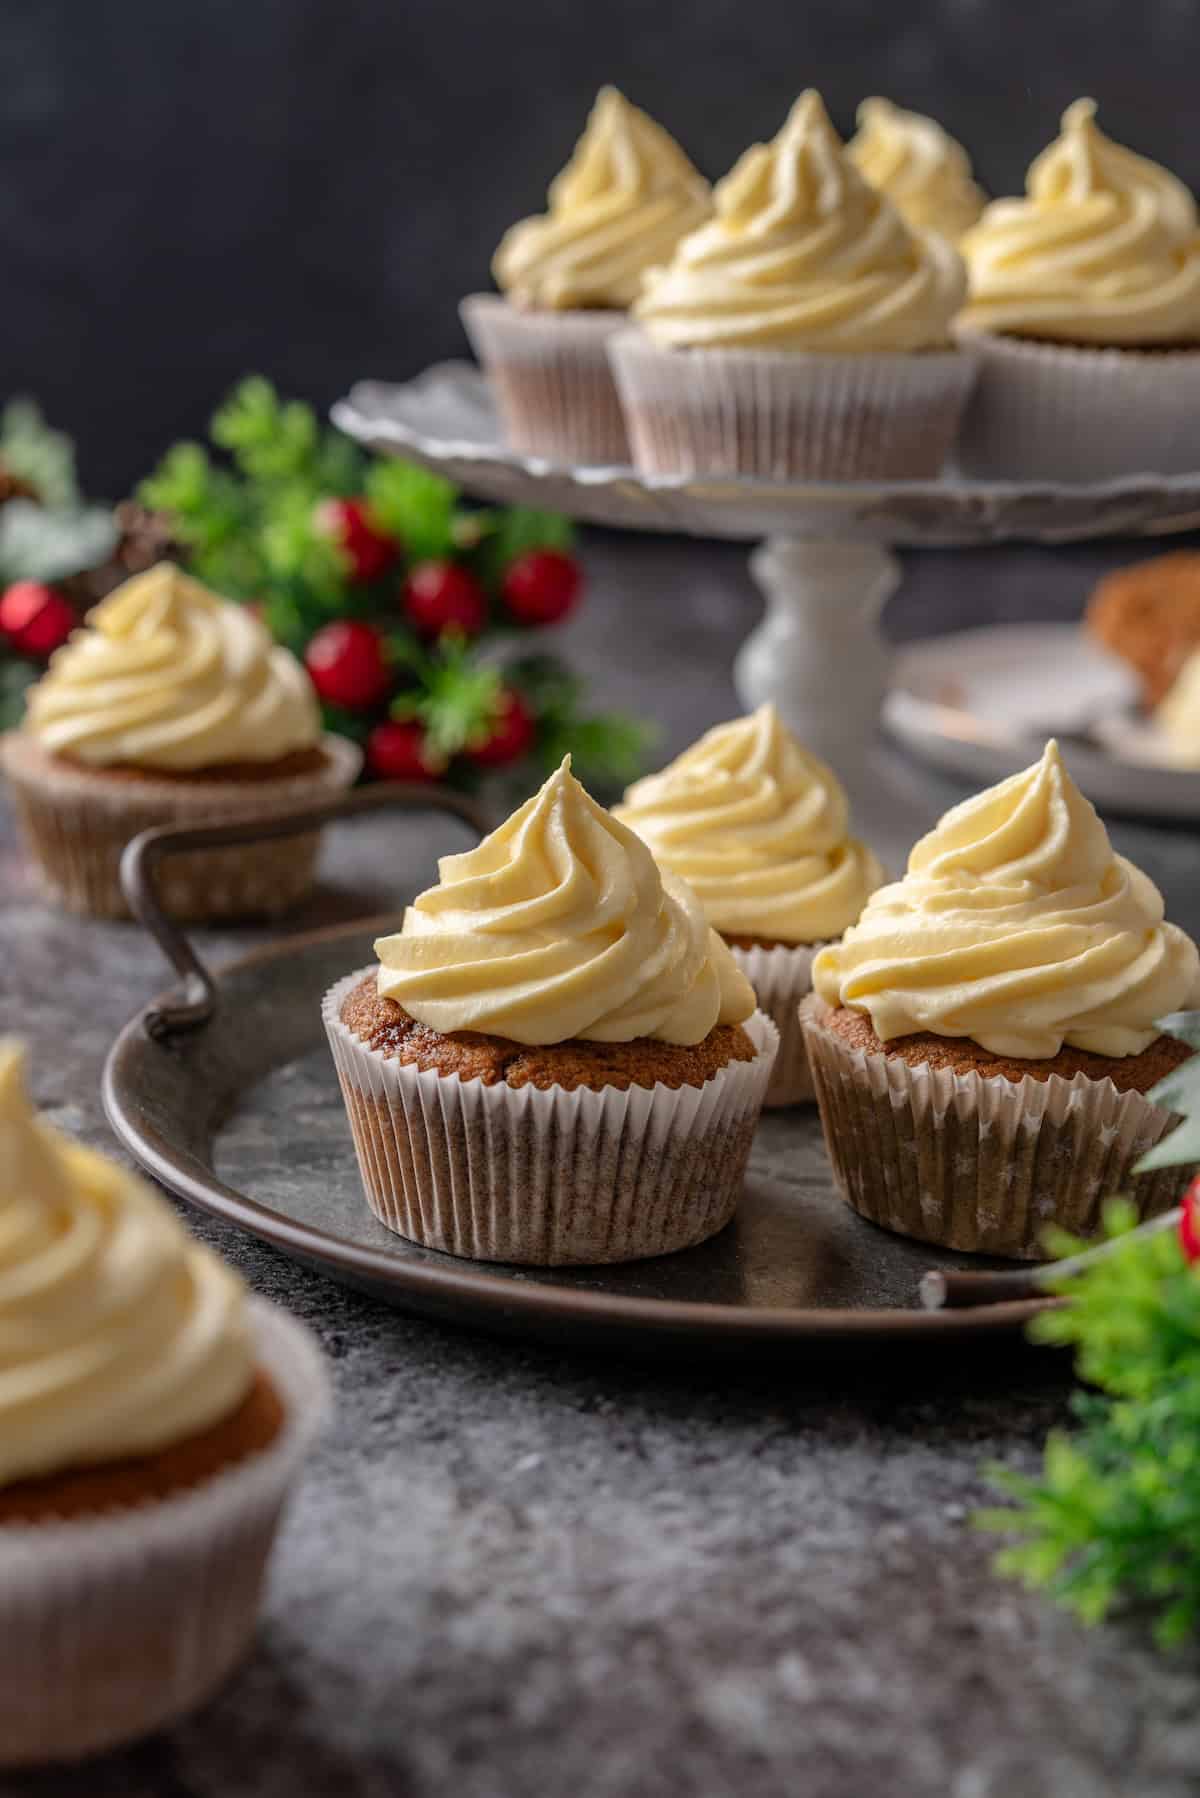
(445, 419)
(981, 704)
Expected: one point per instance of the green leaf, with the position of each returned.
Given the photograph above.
(38, 544)
(413, 505)
(458, 701)
(16, 676)
(269, 440)
(503, 536)
(43, 457)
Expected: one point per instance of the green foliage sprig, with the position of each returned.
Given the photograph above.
(247, 512)
(1113, 1520)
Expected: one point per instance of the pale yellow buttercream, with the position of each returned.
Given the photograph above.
(168, 676)
(1178, 715)
(758, 828)
(119, 1334)
(1017, 926)
(1102, 250)
(559, 925)
(804, 255)
(621, 205)
(923, 171)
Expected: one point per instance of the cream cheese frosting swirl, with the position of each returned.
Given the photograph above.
(1017, 926)
(620, 206)
(804, 255)
(559, 925)
(758, 829)
(923, 171)
(167, 676)
(119, 1335)
(1103, 250)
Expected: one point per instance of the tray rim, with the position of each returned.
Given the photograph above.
(483, 1294)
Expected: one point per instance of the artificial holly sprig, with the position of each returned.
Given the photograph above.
(1114, 1518)
(403, 601)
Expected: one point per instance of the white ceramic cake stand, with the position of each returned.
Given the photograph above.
(823, 562)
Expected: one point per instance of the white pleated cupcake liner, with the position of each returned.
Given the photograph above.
(1053, 412)
(789, 415)
(75, 823)
(550, 375)
(981, 1163)
(782, 977)
(547, 1178)
(114, 1626)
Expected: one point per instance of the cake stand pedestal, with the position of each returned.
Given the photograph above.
(823, 562)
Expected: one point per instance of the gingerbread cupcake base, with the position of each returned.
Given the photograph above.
(951, 1153)
(76, 821)
(117, 1621)
(548, 1174)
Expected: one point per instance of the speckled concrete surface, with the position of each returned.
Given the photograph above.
(511, 1571)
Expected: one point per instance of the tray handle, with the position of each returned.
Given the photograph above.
(141, 857)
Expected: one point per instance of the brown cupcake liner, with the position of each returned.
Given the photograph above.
(981, 1164)
(114, 1626)
(789, 415)
(782, 977)
(76, 822)
(547, 1178)
(1065, 412)
(550, 375)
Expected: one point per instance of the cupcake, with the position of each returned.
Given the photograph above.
(152, 1419)
(1084, 310)
(758, 828)
(803, 334)
(619, 207)
(922, 170)
(171, 706)
(1149, 615)
(556, 1059)
(983, 1040)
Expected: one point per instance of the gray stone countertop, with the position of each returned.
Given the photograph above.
(515, 1571)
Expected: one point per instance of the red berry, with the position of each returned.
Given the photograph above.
(368, 550)
(444, 596)
(512, 733)
(347, 664)
(399, 751)
(542, 586)
(34, 618)
(1189, 1222)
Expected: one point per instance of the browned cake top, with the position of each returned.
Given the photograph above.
(1130, 1073)
(386, 1026)
(1150, 615)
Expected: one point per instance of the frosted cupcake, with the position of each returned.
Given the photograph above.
(556, 1059)
(923, 171)
(619, 207)
(759, 829)
(803, 334)
(983, 1040)
(171, 706)
(152, 1419)
(1084, 308)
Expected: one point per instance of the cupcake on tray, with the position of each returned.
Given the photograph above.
(803, 334)
(983, 1039)
(758, 828)
(619, 207)
(171, 706)
(556, 1059)
(919, 166)
(1084, 309)
(152, 1419)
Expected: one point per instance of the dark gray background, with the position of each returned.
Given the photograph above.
(197, 189)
